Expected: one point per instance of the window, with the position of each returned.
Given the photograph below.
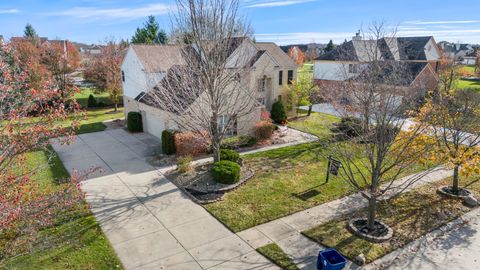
(228, 125)
(262, 84)
(280, 77)
(290, 77)
(261, 101)
(352, 68)
(123, 76)
(279, 97)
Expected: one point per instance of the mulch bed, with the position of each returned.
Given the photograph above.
(200, 184)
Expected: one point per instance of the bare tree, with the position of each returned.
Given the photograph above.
(207, 92)
(382, 145)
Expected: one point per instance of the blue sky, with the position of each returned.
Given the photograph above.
(281, 21)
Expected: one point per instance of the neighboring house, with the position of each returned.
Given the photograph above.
(457, 52)
(418, 56)
(266, 72)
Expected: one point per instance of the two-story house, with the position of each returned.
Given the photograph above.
(418, 56)
(267, 70)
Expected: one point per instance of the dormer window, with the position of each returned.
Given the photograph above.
(123, 76)
(352, 68)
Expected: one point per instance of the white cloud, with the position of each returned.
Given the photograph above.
(280, 3)
(442, 22)
(114, 13)
(9, 11)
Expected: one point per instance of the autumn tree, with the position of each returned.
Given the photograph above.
(383, 147)
(454, 124)
(150, 33)
(61, 58)
(29, 55)
(477, 61)
(297, 55)
(205, 91)
(104, 71)
(29, 118)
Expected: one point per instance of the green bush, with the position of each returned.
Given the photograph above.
(134, 122)
(184, 164)
(226, 172)
(278, 113)
(168, 142)
(92, 101)
(349, 127)
(237, 142)
(230, 155)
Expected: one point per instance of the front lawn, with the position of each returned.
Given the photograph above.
(78, 243)
(410, 215)
(468, 84)
(95, 117)
(286, 180)
(101, 97)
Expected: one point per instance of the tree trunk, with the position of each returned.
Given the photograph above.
(216, 151)
(309, 109)
(116, 107)
(455, 188)
(372, 211)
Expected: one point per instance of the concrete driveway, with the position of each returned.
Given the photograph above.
(150, 223)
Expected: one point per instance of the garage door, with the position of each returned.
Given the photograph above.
(153, 125)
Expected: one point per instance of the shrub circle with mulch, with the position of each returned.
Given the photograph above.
(381, 233)
(447, 191)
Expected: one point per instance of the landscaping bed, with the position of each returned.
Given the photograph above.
(200, 184)
(410, 215)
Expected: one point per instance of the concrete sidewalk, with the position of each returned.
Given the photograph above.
(286, 231)
(150, 223)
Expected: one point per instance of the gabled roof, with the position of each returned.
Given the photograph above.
(401, 48)
(395, 73)
(158, 58)
(280, 56)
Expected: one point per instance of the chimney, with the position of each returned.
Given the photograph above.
(357, 36)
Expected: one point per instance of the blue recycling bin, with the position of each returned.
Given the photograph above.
(330, 259)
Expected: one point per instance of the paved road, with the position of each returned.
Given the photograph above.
(150, 223)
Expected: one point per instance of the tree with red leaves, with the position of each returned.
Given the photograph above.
(30, 115)
(297, 55)
(61, 58)
(104, 71)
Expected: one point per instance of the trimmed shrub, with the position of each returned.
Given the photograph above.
(92, 101)
(264, 130)
(237, 142)
(168, 142)
(184, 164)
(349, 127)
(226, 172)
(230, 155)
(134, 122)
(278, 113)
(190, 143)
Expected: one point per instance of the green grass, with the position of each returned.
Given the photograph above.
(470, 69)
(95, 117)
(275, 254)
(80, 242)
(468, 84)
(318, 124)
(410, 215)
(101, 97)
